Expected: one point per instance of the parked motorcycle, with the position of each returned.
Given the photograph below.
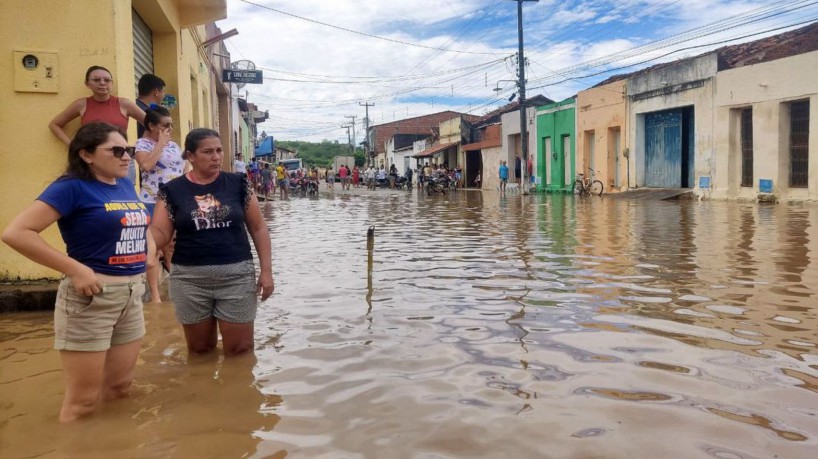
(436, 185)
(402, 182)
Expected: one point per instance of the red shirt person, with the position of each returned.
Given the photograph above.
(101, 106)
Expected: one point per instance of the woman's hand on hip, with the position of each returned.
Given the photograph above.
(85, 282)
(265, 285)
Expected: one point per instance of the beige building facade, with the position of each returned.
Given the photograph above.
(602, 134)
(756, 131)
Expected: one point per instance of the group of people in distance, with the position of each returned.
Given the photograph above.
(260, 175)
(112, 236)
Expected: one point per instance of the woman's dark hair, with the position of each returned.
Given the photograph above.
(154, 116)
(88, 138)
(195, 136)
(92, 68)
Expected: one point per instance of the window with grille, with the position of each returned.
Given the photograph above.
(747, 147)
(799, 144)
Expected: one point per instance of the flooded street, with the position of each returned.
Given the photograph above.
(490, 327)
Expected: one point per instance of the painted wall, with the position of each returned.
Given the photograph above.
(602, 119)
(767, 88)
(689, 83)
(490, 178)
(511, 138)
(556, 124)
(451, 132)
(31, 156)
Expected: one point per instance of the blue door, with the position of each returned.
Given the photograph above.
(663, 149)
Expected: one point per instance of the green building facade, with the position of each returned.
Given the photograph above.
(556, 138)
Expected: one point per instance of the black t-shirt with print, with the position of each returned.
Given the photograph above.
(209, 219)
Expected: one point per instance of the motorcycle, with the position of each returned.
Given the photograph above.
(310, 187)
(436, 185)
(402, 182)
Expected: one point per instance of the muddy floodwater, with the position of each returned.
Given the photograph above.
(489, 327)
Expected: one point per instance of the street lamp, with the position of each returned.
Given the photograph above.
(497, 88)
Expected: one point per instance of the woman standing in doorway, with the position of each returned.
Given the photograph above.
(98, 322)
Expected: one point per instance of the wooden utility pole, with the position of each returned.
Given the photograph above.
(521, 86)
(366, 133)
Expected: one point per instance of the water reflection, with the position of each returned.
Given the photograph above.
(482, 326)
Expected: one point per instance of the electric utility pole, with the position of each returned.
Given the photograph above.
(349, 139)
(366, 132)
(354, 139)
(521, 75)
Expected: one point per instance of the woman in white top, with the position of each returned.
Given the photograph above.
(160, 160)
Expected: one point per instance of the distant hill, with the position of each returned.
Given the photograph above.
(320, 154)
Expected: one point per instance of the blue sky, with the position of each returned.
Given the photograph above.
(414, 57)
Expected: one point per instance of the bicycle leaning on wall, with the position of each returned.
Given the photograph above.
(586, 186)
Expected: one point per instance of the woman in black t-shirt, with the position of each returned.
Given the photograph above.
(213, 282)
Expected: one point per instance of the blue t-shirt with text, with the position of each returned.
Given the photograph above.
(103, 226)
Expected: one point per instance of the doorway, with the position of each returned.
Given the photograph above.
(669, 145)
(474, 166)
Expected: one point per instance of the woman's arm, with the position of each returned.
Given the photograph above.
(261, 239)
(147, 159)
(161, 227)
(23, 235)
(132, 110)
(72, 112)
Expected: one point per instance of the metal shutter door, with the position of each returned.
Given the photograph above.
(142, 49)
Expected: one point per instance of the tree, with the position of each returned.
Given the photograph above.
(321, 154)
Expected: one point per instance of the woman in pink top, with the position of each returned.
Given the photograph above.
(101, 106)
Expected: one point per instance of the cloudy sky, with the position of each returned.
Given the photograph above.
(322, 58)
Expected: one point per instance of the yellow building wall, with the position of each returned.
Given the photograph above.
(82, 33)
(450, 133)
(601, 112)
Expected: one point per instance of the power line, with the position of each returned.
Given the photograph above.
(359, 32)
(676, 51)
(683, 37)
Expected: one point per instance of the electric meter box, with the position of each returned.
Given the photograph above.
(35, 71)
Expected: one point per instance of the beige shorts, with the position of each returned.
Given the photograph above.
(95, 323)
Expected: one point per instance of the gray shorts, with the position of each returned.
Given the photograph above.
(226, 292)
(95, 323)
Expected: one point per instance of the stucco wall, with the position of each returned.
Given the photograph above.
(511, 140)
(602, 112)
(687, 83)
(554, 123)
(32, 156)
(767, 88)
(490, 178)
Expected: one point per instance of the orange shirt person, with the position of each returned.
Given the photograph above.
(101, 106)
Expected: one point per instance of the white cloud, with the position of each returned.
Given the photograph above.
(559, 35)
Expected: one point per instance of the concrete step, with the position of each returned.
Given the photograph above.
(37, 296)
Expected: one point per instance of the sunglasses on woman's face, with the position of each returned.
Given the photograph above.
(119, 151)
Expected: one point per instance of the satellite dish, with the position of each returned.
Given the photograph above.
(243, 64)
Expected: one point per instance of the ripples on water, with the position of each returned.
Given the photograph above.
(490, 327)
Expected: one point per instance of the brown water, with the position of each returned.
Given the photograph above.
(494, 328)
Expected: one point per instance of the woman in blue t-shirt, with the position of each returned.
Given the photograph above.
(98, 322)
(213, 282)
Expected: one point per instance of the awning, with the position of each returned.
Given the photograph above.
(435, 149)
(266, 147)
(489, 143)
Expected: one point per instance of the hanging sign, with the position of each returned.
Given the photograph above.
(242, 76)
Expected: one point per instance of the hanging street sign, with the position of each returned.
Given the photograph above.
(242, 76)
